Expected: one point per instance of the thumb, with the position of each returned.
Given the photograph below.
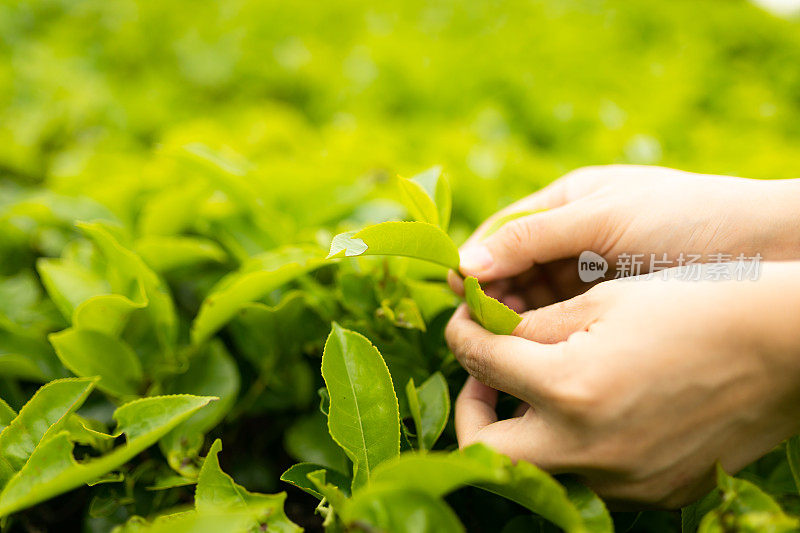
(542, 237)
(555, 323)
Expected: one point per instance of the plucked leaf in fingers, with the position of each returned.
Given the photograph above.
(493, 315)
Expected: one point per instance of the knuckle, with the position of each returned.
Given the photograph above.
(518, 233)
(472, 358)
(582, 400)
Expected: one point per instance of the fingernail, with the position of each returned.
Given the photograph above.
(476, 258)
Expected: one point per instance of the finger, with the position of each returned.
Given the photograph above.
(549, 197)
(514, 365)
(528, 438)
(556, 322)
(475, 409)
(456, 282)
(540, 238)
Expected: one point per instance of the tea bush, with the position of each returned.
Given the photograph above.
(174, 176)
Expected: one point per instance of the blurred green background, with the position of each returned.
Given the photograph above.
(507, 95)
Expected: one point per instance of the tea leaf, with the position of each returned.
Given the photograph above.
(92, 353)
(401, 510)
(745, 507)
(490, 313)
(427, 196)
(51, 468)
(363, 414)
(216, 491)
(45, 414)
(297, 475)
(164, 253)
(252, 283)
(430, 407)
(419, 240)
(213, 372)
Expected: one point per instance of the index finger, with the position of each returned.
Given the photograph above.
(518, 366)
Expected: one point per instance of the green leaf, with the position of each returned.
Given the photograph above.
(437, 473)
(25, 355)
(401, 510)
(503, 220)
(308, 440)
(335, 496)
(432, 297)
(404, 313)
(591, 508)
(7, 414)
(410, 239)
(107, 313)
(427, 196)
(129, 276)
(171, 482)
(164, 253)
(231, 521)
(211, 373)
(52, 469)
(45, 414)
(69, 284)
(430, 408)
(216, 491)
(363, 415)
(746, 508)
(297, 475)
(83, 296)
(693, 514)
(92, 353)
(793, 456)
(490, 313)
(538, 491)
(250, 284)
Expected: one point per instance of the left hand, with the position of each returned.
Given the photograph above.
(641, 386)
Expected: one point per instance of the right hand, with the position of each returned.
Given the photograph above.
(532, 260)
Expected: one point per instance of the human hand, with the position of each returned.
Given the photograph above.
(641, 386)
(532, 261)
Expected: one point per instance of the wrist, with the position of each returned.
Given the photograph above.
(776, 220)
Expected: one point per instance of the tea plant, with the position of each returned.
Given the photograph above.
(174, 337)
(377, 455)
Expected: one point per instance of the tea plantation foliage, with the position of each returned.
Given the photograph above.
(172, 174)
